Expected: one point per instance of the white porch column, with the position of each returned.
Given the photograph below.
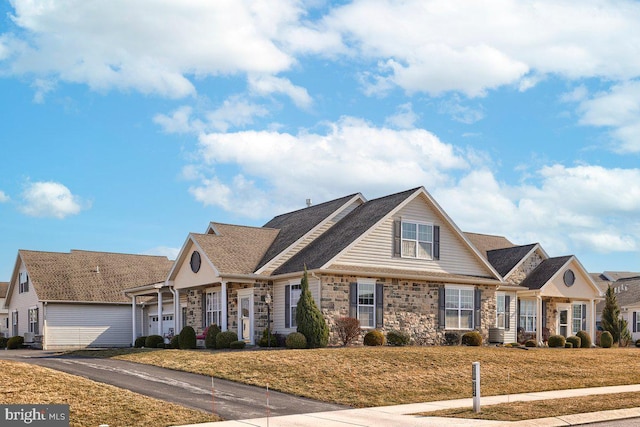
(225, 305)
(160, 331)
(538, 319)
(134, 328)
(177, 312)
(592, 323)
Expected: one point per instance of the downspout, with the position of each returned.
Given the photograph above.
(177, 313)
(44, 325)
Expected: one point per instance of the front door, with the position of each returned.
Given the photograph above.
(563, 322)
(245, 315)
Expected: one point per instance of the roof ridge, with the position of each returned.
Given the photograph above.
(316, 206)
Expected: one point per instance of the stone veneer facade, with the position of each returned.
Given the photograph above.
(525, 269)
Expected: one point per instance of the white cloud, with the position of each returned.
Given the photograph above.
(169, 252)
(405, 118)
(179, 121)
(460, 112)
(3, 197)
(266, 85)
(50, 199)
(42, 88)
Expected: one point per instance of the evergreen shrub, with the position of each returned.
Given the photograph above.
(472, 338)
(187, 340)
(237, 345)
(576, 341)
(585, 339)
(309, 318)
(152, 341)
(374, 338)
(296, 340)
(606, 339)
(175, 342)
(3, 342)
(269, 339)
(398, 338)
(210, 337)
(556, 341)
(224, 339)
(139, 342)
(568, 344)
(15, 343)
(530, 343)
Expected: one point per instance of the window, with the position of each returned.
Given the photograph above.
(636, 321)
(366, 304)
(23, 283)
(417, 240)
(578, 318)
(33, 321)
(14, 323)
(459, 308)
(294, 296)
(500, 311)
(528, 315)
(213, 309)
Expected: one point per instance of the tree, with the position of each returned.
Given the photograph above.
(309, 318)
(611, 320)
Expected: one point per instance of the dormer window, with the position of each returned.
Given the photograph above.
(23, 282)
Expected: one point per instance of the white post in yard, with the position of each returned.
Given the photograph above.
(475, 380)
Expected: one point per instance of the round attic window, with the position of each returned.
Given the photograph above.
(569, 277)
(195, 261)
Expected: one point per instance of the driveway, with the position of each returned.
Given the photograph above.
(231, 401)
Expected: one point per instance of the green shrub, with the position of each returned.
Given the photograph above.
(557, 341)
(530, 343)
(576, 341)
(606, 339)
(373, 338)
(15, 343)
(347, 329)
(237, 345)
(585, 339)
(139, 342)
(161, 345)
(152, 341)
(472, 338)
(268, 339)
(3, 342)
(210, 338)
(175, 342)
(637, 343)
(398, 338)
(187, 340)
(451, 338)
(568, 344)
(309, 318)
(224, 339)
(296, 340)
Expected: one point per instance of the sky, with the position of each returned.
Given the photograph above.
(124, 125)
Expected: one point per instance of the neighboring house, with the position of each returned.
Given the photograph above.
(396, 262)
(627, 292)
(75, 300)
(4, 313)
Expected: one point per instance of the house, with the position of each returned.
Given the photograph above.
(4, 313)
(627, 291)
(75, 299)
(395, 262)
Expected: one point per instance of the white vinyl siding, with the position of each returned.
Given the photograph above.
(87, 325)
(376, 249)
(22, 302)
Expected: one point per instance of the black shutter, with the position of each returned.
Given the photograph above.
(379, 305)
(584, 317)
(397, 238)
(507, 312)
(476, 307)
(287, 306)
(353, 300)
(436, 242)
(204, 310)
(635, 321)
(441, 310)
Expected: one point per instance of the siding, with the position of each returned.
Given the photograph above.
(376, 249)
(87, 325)
(278, 303)
(22, 303)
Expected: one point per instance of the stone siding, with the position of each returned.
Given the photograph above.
(525, 269)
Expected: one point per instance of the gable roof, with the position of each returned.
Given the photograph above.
(628, 291)
(506, 259)
(544, 272)
(294, 225)
(338, 237)
(487, 242)
(236, 249)
(4, 287)
(86, 276)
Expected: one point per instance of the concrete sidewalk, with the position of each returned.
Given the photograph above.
(400, 415)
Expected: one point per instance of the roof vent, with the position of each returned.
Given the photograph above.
(308, 202)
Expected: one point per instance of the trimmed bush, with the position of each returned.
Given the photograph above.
(568, 344)
(161, 345)
(296, 340)
(451, 338)
(175, 342)
(576, 341)
(3, 342)
(268, 339)
(585, 339)
(347, 329)
(15, 343)
(530, 343)
(606, 339)
(309, 318)
(637, 343)
(187, 340)
(210, 337)
(152, 341)
(398, 338)
(373, 338)
(237, 345)
(472, 338)
(224, 339)
(139, 342)
(557, 341)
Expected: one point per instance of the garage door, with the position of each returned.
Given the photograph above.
(85, 325)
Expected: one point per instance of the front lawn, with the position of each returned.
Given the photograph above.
(375, 376)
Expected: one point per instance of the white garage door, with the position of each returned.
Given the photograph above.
(87, 325)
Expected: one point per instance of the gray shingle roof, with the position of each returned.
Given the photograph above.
(4, 286)
(294, 225)
(504, 260)
(628, 291)
(237, 249)
(338, 237)
(91, 276)
(543, 272)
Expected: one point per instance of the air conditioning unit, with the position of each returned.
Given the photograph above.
(496, 335)
(28, 337)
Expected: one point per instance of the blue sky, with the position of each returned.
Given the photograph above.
(125, 126)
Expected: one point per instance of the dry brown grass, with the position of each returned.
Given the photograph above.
(373, 376)
(90, 403)
(518, 411)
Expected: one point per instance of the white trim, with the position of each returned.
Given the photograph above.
(459, 309)
(416, 240)
(244, 293)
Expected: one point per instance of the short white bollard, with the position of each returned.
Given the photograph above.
(475, 380)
